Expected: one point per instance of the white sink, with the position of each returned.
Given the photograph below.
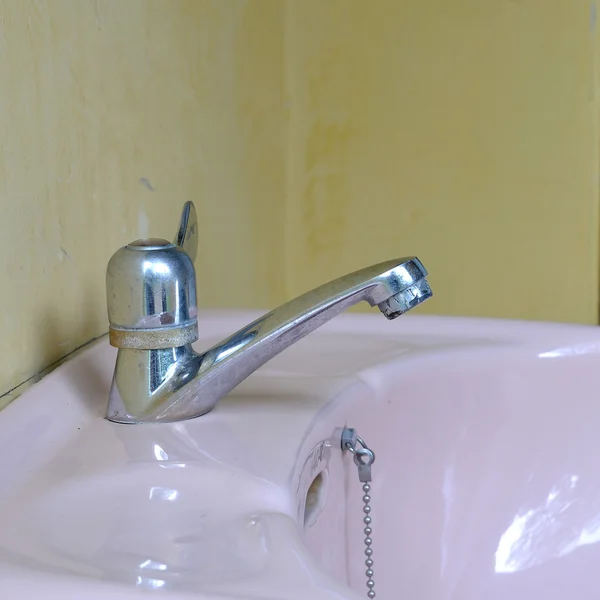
(486, 483)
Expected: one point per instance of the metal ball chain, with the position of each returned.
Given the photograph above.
(368, 541)
(363, 458)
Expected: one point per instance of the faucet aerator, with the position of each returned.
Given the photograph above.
(406, 300)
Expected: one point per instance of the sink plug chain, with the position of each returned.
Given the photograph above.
(364, 457)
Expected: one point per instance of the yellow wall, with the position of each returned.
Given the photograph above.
(315, 136)
(101, 101)
(463, 131)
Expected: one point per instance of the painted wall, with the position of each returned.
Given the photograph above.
(315, 136)
(112, 114)
(463, 131)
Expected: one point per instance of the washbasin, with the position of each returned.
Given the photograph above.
(485, 483)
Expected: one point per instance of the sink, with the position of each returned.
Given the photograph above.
(485, 485)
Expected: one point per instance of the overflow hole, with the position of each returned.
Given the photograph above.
(315, 498)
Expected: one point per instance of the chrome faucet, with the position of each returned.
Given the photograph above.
(151, 296)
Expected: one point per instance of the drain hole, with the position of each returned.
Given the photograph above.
(315, 498)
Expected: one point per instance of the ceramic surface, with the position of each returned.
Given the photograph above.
(485, 484)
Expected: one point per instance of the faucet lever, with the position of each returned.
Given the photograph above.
(187, 234)
(151, 290)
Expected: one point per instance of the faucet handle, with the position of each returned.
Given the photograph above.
(151, 290)
(187, 234)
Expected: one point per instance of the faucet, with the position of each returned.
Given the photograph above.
(153, 317)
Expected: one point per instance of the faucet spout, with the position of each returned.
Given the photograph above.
(175, 383)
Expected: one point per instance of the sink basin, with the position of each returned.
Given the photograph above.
(485, 486)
